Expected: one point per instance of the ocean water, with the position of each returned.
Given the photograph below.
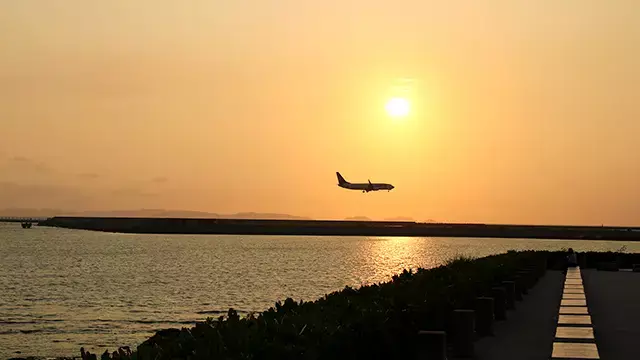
(63, 289)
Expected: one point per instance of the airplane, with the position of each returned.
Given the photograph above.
(364, 187)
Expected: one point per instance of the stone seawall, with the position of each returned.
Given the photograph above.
(337, 228)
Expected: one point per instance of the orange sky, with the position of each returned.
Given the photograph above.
(523, 111)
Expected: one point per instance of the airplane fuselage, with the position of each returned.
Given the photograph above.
(367, 187)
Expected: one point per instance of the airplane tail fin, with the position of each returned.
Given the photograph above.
(341, 180)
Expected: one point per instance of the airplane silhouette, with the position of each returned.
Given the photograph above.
(361, 186)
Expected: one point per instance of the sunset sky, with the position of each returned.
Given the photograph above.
(521, 111)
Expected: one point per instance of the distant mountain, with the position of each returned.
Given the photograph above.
(358, 218)
(22, 212)
(252, 215)
(193, 214)
(399, 218)
(154, 213)
(159, 213)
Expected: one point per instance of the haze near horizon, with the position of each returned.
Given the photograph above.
(520, 112)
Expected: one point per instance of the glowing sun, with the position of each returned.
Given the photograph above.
(398, 107)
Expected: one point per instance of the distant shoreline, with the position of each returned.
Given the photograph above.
(338, 228)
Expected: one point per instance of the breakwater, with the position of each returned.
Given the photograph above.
(338, 228)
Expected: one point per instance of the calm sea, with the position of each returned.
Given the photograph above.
(63, 289)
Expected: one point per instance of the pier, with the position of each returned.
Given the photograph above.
(25, 222)
(585, 314)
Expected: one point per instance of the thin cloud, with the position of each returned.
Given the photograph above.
(90, 176)
(132, 192)
(160, 180)
(18, 163)
(13, 194)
